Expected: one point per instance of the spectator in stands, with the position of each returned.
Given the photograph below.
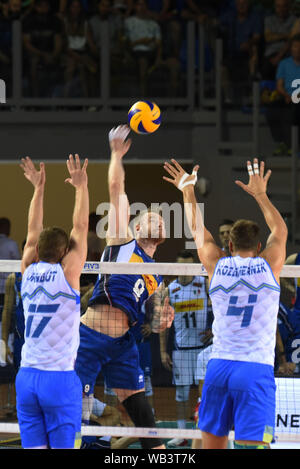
(224, 230)
(144, 37)
(242, 33)
(88, 7)
(115, 15)
(169, 15)
(78, 58)
(277, 31)
(8, 250)
(9, 11)
(202, 12)
(287, 111)
(43, 42)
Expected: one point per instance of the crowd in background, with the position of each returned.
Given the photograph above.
(148, 40)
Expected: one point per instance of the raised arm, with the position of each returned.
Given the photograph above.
(73, 261)
(208, 251)
(275, 250)
(36, 210)
(119, 214)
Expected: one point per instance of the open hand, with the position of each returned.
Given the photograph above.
(257, 180)
(37, 178)
(78, 176)
(180, 178)
(117, 139)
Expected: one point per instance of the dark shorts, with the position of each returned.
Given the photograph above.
(116, 358)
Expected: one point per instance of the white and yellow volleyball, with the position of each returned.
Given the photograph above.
(144, 117)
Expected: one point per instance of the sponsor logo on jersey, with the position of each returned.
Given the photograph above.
(191, 305)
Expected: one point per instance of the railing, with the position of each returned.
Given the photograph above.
(194, 99)
(105, 99)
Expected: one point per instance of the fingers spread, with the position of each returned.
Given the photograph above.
(170, 169)
(250, 169)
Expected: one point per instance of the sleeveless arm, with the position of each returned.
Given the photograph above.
(36, 211)
(119, 213)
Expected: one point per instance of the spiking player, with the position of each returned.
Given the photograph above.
(49, 393)
(239, 386)
(188, 296)
(106, 342)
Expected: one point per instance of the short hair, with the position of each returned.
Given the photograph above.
(185, 255)
(226, 221)
(52, 244)
(244, 235)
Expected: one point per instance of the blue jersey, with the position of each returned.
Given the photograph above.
(289, 329)
(126, 292)
(297, 302)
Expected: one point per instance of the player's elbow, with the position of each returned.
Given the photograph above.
(81, 226)
(114, 186)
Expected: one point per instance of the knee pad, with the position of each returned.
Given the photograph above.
(141, 414)
(182, 393)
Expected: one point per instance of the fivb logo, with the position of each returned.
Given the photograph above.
(2, 92)
(296, 92)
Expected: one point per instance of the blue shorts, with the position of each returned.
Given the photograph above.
(49, 406)
(238, 396)
(117, 359)
(145, 357)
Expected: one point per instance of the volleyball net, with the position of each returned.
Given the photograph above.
(172, 363)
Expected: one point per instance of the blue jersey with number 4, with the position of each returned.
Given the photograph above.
(52, 318)
(245, 301)
(126, 292)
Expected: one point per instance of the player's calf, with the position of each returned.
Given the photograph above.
(141, 414)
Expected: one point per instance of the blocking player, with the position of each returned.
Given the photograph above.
(106, 343)
(49, 394)
(188, 296)
(239, 386)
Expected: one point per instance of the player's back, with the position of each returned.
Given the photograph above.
(52, 317)
(245, 302)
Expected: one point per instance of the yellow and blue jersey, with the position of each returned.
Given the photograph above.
(126, 292)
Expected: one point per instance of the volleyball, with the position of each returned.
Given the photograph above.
(144, 117)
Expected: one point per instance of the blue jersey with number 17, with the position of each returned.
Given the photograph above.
(126, 292)
(245, 303)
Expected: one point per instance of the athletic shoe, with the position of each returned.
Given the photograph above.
(177, 442)
(94, 442)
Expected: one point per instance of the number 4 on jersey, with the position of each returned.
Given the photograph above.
(247, 310)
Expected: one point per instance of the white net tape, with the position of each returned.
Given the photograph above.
(288, 389)
(165, 268)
